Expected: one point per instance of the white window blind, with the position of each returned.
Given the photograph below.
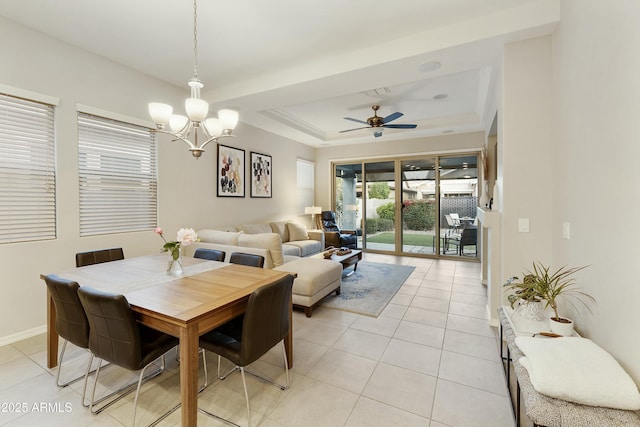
(305, 177)
(27, 171)
(117, 172)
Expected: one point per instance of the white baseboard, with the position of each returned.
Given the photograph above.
(10, 339)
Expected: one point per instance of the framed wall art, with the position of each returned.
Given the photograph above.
(231, 171)
(261, 172)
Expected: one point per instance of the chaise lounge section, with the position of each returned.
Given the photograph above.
(316, 278)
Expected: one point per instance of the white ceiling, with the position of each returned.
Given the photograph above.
(298, 67)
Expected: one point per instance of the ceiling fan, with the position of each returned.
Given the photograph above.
(379, 122)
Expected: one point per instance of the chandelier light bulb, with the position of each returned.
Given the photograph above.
(197, 109)
(178, 122)
(228, 119)
(213, 127)
(160, 113)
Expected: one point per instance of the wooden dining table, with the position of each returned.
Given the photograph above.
(207, 295)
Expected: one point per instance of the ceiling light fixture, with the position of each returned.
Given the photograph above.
(181, 127)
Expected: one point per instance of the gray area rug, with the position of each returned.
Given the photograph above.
(369, 289)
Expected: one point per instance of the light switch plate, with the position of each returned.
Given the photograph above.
(523, 225)
(566, 230)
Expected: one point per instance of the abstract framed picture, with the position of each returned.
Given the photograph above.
(231, 171)
(261, 173)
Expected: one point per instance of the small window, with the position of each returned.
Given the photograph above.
(27, 171)
(117, 172)
(305, 180)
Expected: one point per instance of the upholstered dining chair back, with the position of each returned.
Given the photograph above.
(98, 256)
(116, 337)
(247, 259)
(265, 324)
(210, 254)
(266, 320)
(71, 321)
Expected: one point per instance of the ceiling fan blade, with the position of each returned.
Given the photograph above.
(407, 126)
(349, 130)
(392, 117)
(356, 120)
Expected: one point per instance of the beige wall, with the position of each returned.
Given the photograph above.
(596, 132)
(187, 192)
(526, 178)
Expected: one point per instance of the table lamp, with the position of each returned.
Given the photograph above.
(313, 210)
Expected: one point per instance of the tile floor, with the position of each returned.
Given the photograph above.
(429, 360)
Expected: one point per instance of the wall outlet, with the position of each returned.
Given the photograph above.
(523, 225)
(566, 230)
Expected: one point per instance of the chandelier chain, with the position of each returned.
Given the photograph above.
(195, 39)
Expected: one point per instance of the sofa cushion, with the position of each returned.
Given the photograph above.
(291, 249)
(280, 228)
(297, 232)
(255, 228)
(217, 236)
(307, 247)
(270, 241)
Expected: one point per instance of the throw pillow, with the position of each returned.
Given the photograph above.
(297, 232)
(221, 237)
(269, 241)
(280, 228)
(255, 228)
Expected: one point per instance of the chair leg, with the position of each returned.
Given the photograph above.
(61, 358)
(222, 377)
(286, 364)
(246, 396)
(122, 392)
(86, 380)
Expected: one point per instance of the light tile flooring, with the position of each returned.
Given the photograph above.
(429, 360)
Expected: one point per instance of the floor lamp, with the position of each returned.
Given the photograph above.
(313, 210)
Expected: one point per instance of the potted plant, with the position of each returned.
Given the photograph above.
(525, 296)
(549, 286)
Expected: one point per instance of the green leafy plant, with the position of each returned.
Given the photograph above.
(522, 290)
(542, 283)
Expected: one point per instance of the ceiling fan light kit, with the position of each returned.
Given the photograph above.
(377, 123)
(182, 127)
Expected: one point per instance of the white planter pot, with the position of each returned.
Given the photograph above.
(532, 310)
(564, 329)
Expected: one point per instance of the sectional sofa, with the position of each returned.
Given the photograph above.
(285, 246)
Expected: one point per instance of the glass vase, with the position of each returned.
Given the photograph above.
(174, 268)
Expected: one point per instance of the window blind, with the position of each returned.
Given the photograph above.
(27, 171)
(117, 173)
(305, 180)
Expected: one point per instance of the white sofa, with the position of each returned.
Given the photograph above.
(316, 278)
(296, 239)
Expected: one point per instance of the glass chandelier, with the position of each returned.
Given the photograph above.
(184, 127)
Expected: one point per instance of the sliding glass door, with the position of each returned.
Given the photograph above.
(422, 205)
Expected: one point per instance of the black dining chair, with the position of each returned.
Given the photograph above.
(116, 337)
(71, 321)
(210, 254)
(99, 256)
(265, 324)
(247, 259)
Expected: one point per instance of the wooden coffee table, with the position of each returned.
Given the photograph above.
(346, 260)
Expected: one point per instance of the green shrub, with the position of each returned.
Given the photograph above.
(387, 211)
(385, 224)
(419, 214)
(371, 225)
